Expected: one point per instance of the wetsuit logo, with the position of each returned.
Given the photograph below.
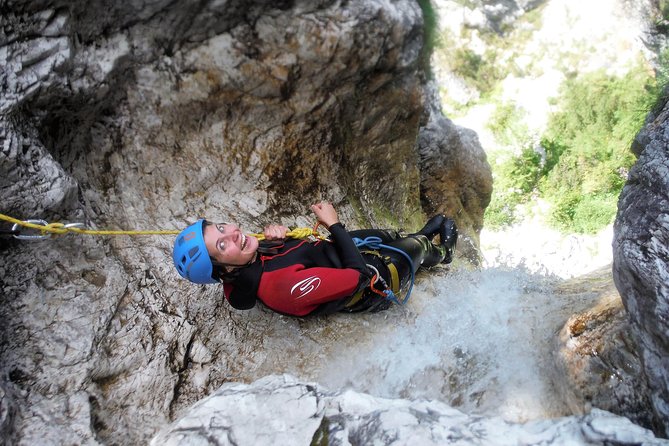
(306, 286)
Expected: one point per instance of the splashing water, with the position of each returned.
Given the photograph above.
(479, 341)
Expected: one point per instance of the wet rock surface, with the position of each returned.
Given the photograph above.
(597, 355)
(641, 254)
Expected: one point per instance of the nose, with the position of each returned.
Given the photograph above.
(231, 235)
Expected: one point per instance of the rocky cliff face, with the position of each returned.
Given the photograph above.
(145, 115)
(249, 111)
(641, 253)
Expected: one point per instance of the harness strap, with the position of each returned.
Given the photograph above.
(392, 269)
(394, 277)
(375, 243)
(356, 297)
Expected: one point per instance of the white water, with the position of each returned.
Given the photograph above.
(479, 341)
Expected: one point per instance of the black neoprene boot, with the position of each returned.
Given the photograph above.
(449, 238)
(432, 227)
(421, 251)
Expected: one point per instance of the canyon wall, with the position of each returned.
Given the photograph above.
(148, 115)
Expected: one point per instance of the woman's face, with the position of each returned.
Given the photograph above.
(228, 245)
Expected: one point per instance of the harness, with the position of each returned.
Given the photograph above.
(393, 288)
(388, 292)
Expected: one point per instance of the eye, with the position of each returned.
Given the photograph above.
(221, 245)
(220, 227)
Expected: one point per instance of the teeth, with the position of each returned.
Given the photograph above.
(243, 242)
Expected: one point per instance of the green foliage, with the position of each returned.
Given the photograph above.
(501, 211)
(662, 22)
(583, 214)
(587, 146)
(587, 152)
(662, 76)
(431, 39)
(480, 71)
(507, 125)
(468, 3)
(515, 179)
(663, 6)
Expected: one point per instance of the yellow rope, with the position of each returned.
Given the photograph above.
(59, 228)
(295, 233)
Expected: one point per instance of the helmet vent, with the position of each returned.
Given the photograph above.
(190, 254)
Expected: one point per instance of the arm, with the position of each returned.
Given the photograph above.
(348, 252)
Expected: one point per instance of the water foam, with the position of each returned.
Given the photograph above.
(478, 340)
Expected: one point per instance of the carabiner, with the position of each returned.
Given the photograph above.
(18, 229)
(75, 225)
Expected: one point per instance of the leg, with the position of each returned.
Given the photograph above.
(421, 251)
(386, 235)
(449, 239)
(432, 226)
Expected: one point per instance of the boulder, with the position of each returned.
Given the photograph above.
(284, 410)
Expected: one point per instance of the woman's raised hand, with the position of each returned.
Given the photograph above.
(275, 232)
(325, 213)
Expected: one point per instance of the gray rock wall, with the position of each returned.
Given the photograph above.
(641, 254)
(144, 115)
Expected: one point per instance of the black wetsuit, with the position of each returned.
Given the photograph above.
(301, 277)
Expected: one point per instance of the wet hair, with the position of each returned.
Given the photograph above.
(220, 273)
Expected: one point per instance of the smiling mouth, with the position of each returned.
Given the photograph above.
(243, 242)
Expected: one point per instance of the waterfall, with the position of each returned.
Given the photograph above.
(478, 340)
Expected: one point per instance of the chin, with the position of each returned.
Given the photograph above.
(252, 245)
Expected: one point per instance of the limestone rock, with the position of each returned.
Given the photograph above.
(283, 410)
(32, 182)
(641, 254)
(153, 114)
(597, 359)
(455, 176)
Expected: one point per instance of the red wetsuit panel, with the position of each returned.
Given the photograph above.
(298, 291)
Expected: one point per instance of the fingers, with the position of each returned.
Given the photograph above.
(275, 232)
(325, 212)
(322, 205)
(319, 205)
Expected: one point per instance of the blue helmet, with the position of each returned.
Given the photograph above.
(190, 254)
